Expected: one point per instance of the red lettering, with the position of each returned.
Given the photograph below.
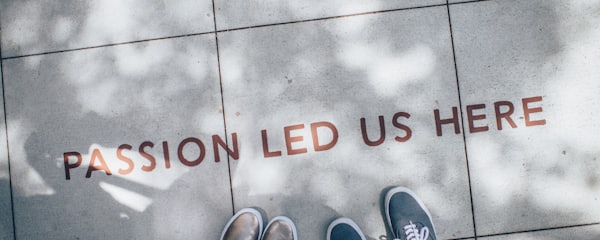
(471, 118)
(265, 146)
(527, 111)
(363, 130)
(315, 136)
(402, 126)
(165, 145)
(453, 120)
(505, 115)
(125, 159)
(217, 141)
(184, 160)
(289, 139)
(96, 154)
(68, 165)
(147, 156)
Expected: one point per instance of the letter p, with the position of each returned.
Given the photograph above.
(68, 165)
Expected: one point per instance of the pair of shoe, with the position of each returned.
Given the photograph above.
(407, 219)
(247, 224)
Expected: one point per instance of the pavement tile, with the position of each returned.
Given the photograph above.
(37, 26)
(582, 233)
(145, 95)
(537, 59)
(6, 224)
(238, 13)
(327, 75)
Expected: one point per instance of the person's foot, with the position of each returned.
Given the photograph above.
(407, 216)
(246, 224)
(344, 229)
(280, 228)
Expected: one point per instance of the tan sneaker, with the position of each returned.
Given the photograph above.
(280, 228)
(246, 224)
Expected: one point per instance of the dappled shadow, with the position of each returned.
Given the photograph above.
(322, 71)
(32, 27)
(238, 14)
(336, 70)
(6, 222)
(542, 176)
(93, 101)
(340, 71)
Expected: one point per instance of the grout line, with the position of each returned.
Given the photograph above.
(469, 1)
(542, 229)
(107, 45)
(348, 15)
(462, 120)
(329, 18)
(223, 105)
(10, 184)
(234, 29)
(463, 238)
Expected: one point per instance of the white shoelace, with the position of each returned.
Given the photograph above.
(413, 233)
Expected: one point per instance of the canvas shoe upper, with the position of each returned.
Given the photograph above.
(344, 229)
(407, 217)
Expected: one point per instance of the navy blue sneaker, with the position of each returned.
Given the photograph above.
(344, 229)
(407, 217)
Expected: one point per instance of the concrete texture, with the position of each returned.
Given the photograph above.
(94, 101)
(279, 107)
(545, 175)
(45, 26)
(582, 233)
(6, 223)
(340, 71)
(238, 13)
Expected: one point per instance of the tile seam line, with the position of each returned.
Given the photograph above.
(348, 15)
(541, 229)
(331, 17)
(10, 183)
(223, 105)
(462, 238)
(233, 29)
(462, 120)
(106, 45)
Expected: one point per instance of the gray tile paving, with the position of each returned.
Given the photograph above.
(280, 80)
(31, 27)
(582, 233)
(6, 224)
(145, 95)
(238, 13)
(294, 95)
(538, 58)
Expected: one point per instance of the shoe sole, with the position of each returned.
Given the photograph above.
(395, 190)
(346, 221)
(240, 212)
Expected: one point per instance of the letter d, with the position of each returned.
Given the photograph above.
(315, 135)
